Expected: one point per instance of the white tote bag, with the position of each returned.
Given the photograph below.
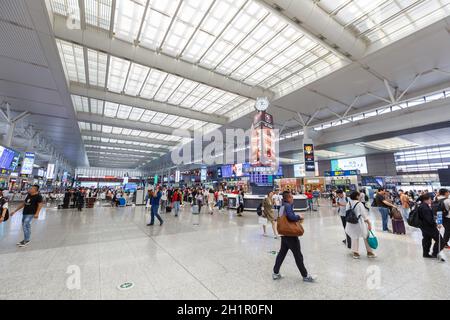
(42, 213)
(262, 221)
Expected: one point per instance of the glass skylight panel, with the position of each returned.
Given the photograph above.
(185, 88)
(158, 118)
(267, 30)
(136, 79)
(96, 127)
(157, 22)
(124, 112)
(81, 104)
(129, 14)
(118, 71)
(66, 8)
(189, 16)
(98, 13)
(84, 126)
(169, 120)
(168, 87)
(147, 116)
(154, 81)
(106, 129)
(136, 114)
(218, 18)
(97, 106)
(97, 62)
(117, 130)
(111, 109)
(196, 95)
(126, 131)
(72, 57)
(244, 23)
(135, 133)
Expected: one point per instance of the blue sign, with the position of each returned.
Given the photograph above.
(439, 217)
(344, 173)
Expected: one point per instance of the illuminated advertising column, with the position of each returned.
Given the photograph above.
(263, 153)
(308, 152)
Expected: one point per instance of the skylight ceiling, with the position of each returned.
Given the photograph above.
(385, 21)
(123, 112)
(136, 80)
(241, 39)
(127, 132)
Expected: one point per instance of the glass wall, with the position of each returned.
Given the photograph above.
(425, 159)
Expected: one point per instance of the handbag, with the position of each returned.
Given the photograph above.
(372, 240)
(288, 228)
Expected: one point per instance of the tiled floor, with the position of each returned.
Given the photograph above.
(225, 257)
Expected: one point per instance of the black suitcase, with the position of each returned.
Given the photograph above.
(168, 209)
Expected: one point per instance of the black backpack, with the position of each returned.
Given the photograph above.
(438, 205)
(366, 198)
(2, 203)
(350, 215)
(259, 210)
(414, 218)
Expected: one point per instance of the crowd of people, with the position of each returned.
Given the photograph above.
(353, 210)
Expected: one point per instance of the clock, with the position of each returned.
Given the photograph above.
(262, 104)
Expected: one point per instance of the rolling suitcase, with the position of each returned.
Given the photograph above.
(168, 209)
(398, 226)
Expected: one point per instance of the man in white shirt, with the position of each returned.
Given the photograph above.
(341, 203)
(276, 199)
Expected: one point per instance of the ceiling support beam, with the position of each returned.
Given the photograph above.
(127, 124)
(100, 40)
(123, 146)
(127, 138)
(146, 104)
(318, 25)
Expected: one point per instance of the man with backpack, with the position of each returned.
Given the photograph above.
(4, 210)
(443, 204)
(429, 229)
(341, 202)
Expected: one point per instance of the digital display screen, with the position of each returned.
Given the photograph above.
(28, 162)
(6, 158)
(50, 171)
(299, 170)
(40, 173)
(350, 164)
(227, 171)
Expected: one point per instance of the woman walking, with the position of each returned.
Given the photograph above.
(290, 242)
(269, 214)
(360, 229)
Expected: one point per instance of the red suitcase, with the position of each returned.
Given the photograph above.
(398, 226)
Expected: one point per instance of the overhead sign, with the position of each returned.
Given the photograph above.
(50, 171)
(203, 174)
(343, 173)
(28, 162)
(177, 176)
(308, 149)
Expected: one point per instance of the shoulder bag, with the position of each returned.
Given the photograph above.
(288, 228)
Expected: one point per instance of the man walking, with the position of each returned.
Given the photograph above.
(31, 208)
(155, 200)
